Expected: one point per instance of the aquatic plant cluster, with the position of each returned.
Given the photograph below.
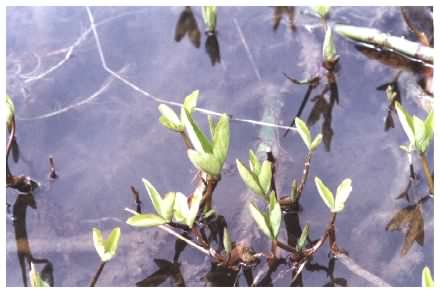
(193, 219)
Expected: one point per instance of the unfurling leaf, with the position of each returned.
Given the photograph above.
(342, 193)
(261, 220)
(304, 132)
(265, 176)
(302, 240)
(325, 193)
(35, 278)
(106, 249)
(250, 179)
(146, 220)
(406, 121)
(205, 162)
(227, 243)
(169, 118)
(427, 278)
(190, 101)
(274, 215)
(221, 139)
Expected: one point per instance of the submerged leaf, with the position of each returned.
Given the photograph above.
(325, 193)
(146, 220)
(187, 24)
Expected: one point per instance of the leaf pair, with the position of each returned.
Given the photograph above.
(270, 221)
(304, 132)
(106, 248)
(209, 14)
(419, 132)
(335, 204)
(185, 213)
(10, 112)
(169, 118)
(258, 177)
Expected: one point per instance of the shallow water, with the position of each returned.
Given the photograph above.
(102, 147)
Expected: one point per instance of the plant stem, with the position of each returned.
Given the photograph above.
(305, 175)
(427, 172)
(212, 183)
(285, 246)
(186, 140)
(98, 273)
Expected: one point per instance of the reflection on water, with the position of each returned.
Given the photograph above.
(105, 145)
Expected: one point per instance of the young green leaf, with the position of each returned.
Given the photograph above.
(10, 112)
(112, 243)
(265, 176)
(190, 101)
(221, 139)
(35, 279)
(419, 132)
(211, 126)
(274, 215)
(146, 220)
(154, 195)
(302, 240)
(316, 142)
(325, 193)
(254, 164)
(250, 179)
(205, 162)
(209, 14)
(328, 48)
(342, 193)
(106, 249)
(304, 132)
(427, 278)
(193, 210)
(181, 209)
(195, 134)
(321, 10)
(227, 243)
(423, 141)
(167, 206)
(261, 220)
(169, 118)
(406, 121)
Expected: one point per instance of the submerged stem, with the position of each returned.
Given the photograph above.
(427, 172)
(98, 273)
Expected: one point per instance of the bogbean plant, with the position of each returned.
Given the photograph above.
(191, 215)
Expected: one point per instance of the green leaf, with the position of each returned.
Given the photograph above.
(261, 220)
(406, 121)
(181, 209)
(209, 14)
(169, 118)
(211, 126)
(422, 144)
(35, 279)
(10, 112)
(316, 142)
(419, 132)
(221, 140)
(328, 48)
(193, 210)
(227, 243)
(250, 179)
(301, 243)
(265, 176)
(190, 101)
(106, 249)
(146, 220)
(205, 162)
(321, 10)
(195, 134)
(342, 193)
(112, 243)
(325, 193)
(274, 215)
(427, 278)
(304, 132)
(254, 163)
(154, 195)
(167, 206)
